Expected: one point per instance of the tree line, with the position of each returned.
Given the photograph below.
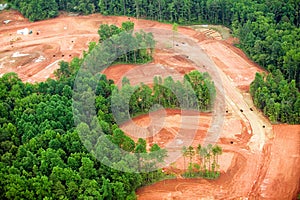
(203, 161)
(36, 10)
(276, 97)
(195, 92)
(187, 11)
(138, 47)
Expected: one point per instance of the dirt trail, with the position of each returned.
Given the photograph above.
(255, 124)
(280, 179)
(256, 164)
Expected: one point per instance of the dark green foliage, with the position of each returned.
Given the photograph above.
(278, 98)
(42, 155)
(135, 48)
(36, 10)
(196, 92)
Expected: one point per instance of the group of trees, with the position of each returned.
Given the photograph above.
(42, 155)
(271, 38)
(41, 152)
(278, 99)
(36, 10)
(187, 11)
(196, 92)
(137, 48)
(203, 161)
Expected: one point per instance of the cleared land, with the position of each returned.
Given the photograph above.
(260, 160)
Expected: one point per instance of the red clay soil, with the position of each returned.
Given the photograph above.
(280, 179)
(165, 64)
(166, 125)
(51, 40)
(270, 174)
(233, 62)
(260, 161)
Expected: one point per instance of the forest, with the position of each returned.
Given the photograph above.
(42, 155)
(44, 152)
(269, 31)
(278, 99)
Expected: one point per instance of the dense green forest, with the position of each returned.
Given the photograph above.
(278, 99)
(132, 48)
(196, 92)
(268, 30)
(44, 154)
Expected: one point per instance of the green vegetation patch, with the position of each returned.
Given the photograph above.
(203, 161)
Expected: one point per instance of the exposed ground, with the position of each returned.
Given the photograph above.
(260, 160)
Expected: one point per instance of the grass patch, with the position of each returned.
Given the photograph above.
(158, 176)
(206, 175)
(223, 30)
